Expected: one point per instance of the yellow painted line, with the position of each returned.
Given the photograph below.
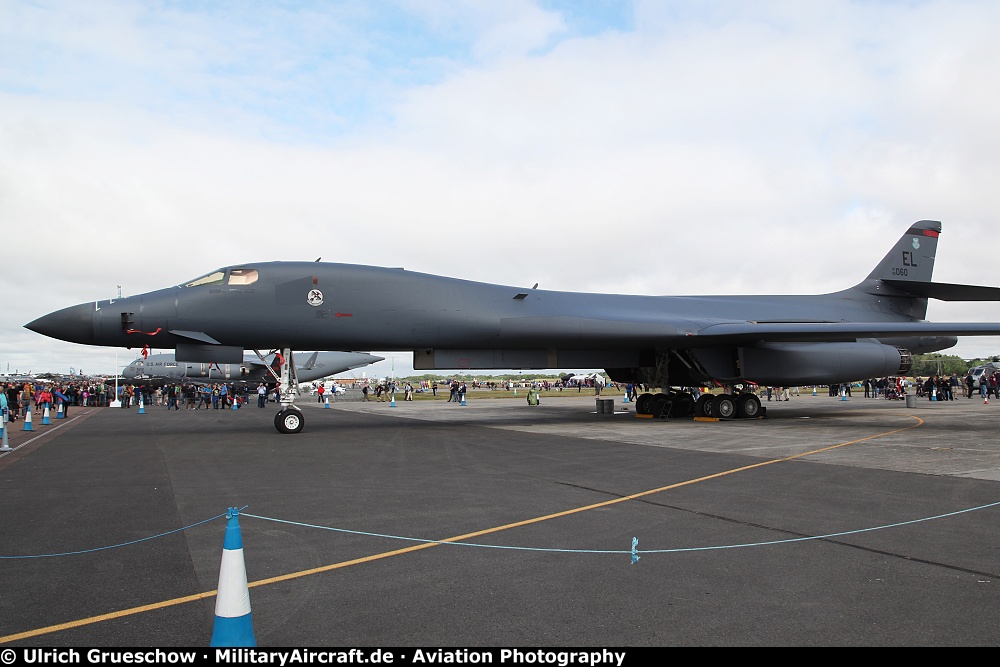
(427, 545)
(106, 617)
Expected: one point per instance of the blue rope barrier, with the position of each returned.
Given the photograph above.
(116, 546)
(634, 551)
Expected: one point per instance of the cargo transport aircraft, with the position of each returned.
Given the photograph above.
(868, 330)
(251, 369)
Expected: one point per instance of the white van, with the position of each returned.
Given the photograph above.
(977, 372)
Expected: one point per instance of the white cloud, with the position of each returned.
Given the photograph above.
(716, 148)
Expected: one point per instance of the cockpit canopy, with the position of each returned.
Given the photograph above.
(238, 276)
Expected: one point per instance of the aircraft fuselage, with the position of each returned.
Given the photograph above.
(451, 323)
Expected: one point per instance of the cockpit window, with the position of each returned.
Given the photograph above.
(242, 276)
(214, 278)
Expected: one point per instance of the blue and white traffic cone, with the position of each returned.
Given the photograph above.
(392, 400)
(59, 412)
(236, 404)
(4, 444)
(27, 420)
(843, 394)
(233, 622)
(463, 399)
(326, 401)
(45, 416)
(142, 407)
(814, 390)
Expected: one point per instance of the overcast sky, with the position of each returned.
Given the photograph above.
(647, 147)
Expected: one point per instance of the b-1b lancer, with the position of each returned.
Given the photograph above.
(868, 330)
(250, 369)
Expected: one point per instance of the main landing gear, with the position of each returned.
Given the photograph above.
(677, 404)
(674, 404)
(289, 419)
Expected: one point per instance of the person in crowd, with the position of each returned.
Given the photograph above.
(61, 399)
(27, 395)
(44, 399)
(13, 393)
(953, 385)
(930, 387)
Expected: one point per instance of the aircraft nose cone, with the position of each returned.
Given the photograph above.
(74, 324)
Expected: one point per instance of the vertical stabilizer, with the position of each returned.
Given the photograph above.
(912, 258)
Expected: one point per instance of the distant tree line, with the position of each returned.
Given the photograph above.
(931, 364)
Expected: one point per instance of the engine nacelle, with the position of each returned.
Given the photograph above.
(792, 364)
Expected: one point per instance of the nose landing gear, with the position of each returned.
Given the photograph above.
(289, 419)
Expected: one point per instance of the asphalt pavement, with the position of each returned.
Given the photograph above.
(833, 522)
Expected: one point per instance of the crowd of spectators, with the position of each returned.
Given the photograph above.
(57, 395)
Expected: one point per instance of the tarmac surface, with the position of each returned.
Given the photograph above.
(833, 522)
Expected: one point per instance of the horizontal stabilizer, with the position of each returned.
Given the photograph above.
(946, 291)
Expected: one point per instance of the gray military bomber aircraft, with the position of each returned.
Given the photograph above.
(869, 330)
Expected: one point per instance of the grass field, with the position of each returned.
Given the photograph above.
(473, 394)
